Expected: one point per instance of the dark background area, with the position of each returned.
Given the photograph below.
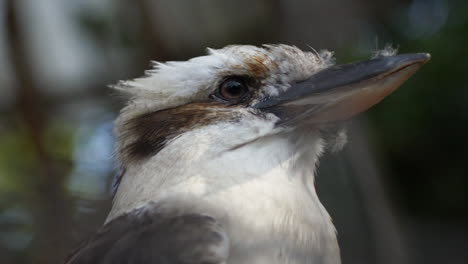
(397, 193)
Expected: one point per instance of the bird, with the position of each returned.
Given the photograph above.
(219, 152)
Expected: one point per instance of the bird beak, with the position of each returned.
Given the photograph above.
(342, 91)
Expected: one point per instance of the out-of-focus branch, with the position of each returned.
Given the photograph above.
(155, 45)
(48, 201)
(386, 230)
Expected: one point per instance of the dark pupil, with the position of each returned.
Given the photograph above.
(233, 89)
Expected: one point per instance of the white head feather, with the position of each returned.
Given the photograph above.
(176, 83)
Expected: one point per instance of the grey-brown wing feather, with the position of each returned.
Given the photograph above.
(147, 235)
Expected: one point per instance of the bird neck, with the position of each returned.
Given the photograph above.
(279, 167)
(264, 189)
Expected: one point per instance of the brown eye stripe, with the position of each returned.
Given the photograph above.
(149, 133)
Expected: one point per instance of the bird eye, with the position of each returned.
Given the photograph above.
(233, 88)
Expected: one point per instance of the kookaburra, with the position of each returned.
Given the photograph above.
(219, 153)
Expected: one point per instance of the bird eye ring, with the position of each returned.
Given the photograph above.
(232, 89)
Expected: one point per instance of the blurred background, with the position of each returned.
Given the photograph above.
(398, 193)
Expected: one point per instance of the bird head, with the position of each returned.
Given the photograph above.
(242, 119)
(239, 94)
